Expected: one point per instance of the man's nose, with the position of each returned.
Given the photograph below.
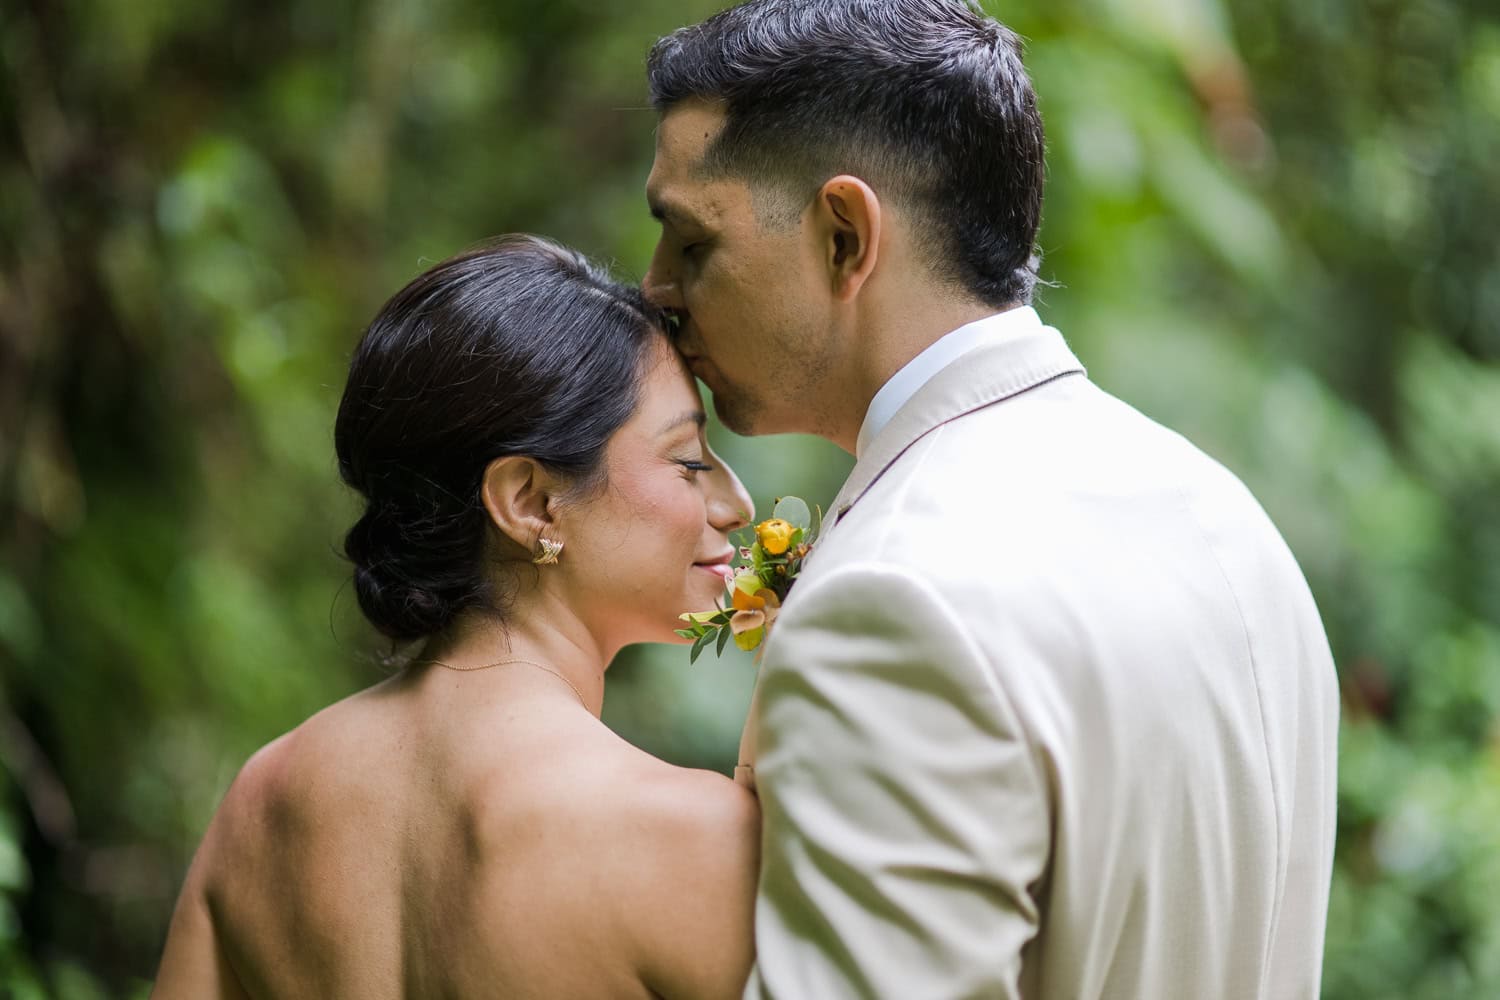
(660, 284)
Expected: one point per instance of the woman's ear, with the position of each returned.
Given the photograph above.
(851, 216)
(518, 494)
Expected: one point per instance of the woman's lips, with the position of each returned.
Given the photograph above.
(719, 566)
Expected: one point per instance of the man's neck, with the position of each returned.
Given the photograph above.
(895, 335)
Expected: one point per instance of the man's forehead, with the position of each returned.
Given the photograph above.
(684, 134)
(679, 189)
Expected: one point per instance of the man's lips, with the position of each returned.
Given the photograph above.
(702, 369)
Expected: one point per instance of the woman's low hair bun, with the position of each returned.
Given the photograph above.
(392, 597)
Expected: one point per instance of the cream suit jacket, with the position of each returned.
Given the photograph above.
(1050, 714)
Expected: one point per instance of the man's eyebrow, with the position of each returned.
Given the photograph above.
(688, 417)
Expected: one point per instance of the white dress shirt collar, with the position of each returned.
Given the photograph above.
(903, 385)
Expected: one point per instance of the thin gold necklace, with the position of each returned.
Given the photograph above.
(501, 663)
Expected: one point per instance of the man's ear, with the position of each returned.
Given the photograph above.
(851, 217)
(518, 493)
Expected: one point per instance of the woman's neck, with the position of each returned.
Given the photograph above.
(550, 638)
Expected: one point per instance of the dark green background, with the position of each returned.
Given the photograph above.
(1271, 224)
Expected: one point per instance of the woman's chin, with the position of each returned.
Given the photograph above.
(699, 598)
(711, 591)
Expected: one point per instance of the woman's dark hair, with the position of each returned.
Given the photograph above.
(925, 99)
(517, 347)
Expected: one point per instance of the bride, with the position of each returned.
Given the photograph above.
(539, 494)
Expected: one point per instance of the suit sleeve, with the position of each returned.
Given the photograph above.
(906, 821)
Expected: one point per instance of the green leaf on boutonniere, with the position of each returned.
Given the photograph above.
(747, 583)
(794, 511)
(724, 633)
(703, 640)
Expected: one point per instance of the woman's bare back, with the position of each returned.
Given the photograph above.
(448, 835)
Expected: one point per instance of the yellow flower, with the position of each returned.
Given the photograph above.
(775, 535)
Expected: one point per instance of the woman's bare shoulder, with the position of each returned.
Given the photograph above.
(282, 784)
(665, 856)
(690, 877)
(195, 960)
(600, 779)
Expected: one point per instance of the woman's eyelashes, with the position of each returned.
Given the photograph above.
(695, 465)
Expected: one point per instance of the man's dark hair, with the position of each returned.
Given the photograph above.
(926, 100)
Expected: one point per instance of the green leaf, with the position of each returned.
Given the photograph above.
(703, 640)
(686, 633)
(794, 510)
(724, 634)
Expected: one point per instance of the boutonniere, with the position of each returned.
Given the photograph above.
(762, 577)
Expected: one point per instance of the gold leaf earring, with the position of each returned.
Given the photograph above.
(550, 550)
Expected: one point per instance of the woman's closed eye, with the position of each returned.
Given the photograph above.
(695, 465)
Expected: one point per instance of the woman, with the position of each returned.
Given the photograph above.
(540, 494)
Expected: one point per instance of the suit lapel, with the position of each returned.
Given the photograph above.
(983, 376)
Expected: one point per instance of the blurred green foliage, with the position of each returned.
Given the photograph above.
(1271, 225)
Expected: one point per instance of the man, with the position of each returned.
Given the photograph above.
(1051, 712)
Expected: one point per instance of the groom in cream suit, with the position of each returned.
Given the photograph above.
(1051, 713)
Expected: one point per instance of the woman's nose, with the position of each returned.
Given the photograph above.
(729, 505)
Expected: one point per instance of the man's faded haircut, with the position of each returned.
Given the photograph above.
(925, 100)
